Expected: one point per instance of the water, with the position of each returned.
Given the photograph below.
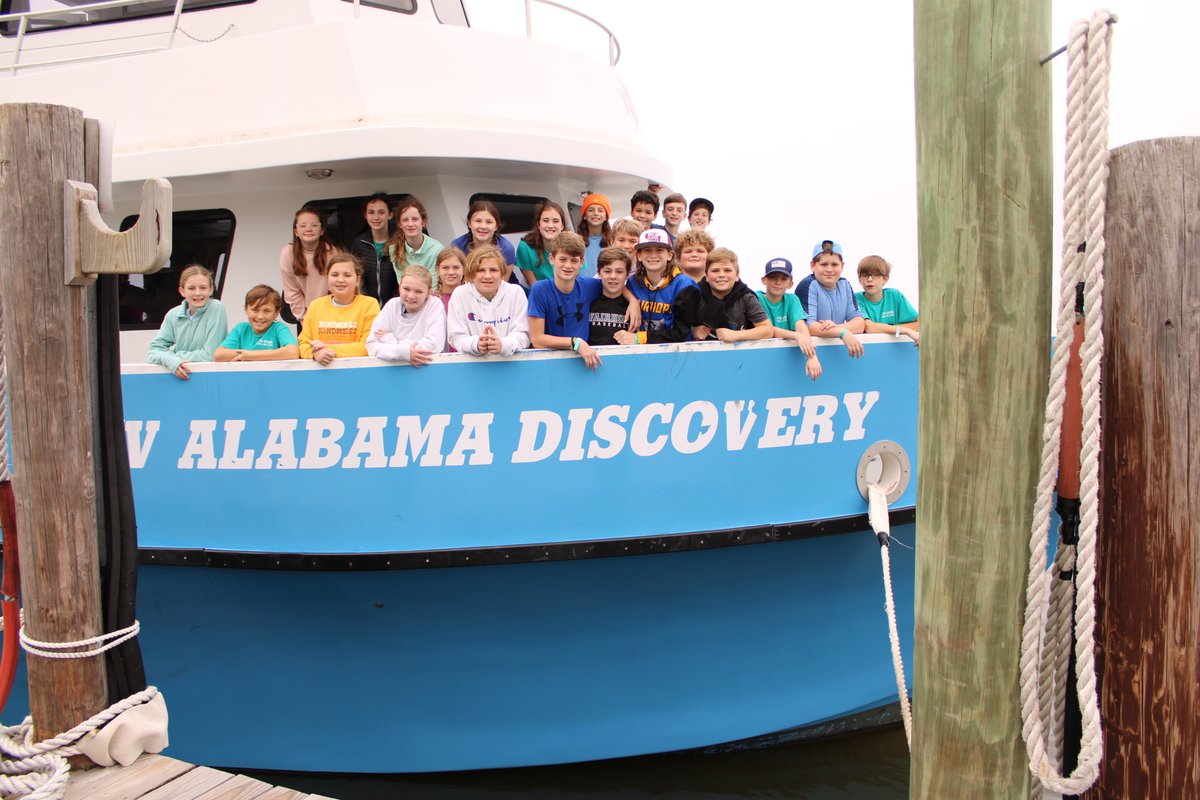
(869, 766)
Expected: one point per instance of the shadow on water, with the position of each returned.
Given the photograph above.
(870, 766)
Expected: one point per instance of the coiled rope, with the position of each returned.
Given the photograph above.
(39, 770)
(1043, 651)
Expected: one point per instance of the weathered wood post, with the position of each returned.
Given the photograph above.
(46, 349)
(52, 244)
(985, 206)
(1149, 540)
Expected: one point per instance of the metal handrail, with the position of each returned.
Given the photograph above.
(23, 28)
(614, 46)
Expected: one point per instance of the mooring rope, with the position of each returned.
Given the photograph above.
(878, 515)
(1043, 666)
(39, 770)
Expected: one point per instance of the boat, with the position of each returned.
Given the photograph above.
(482, 563)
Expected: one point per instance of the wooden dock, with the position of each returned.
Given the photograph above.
(154, 777)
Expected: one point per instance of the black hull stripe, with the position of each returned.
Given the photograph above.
(513, 554)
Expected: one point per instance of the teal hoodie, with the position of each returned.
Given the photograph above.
(183, 338)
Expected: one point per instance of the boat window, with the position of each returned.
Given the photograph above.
(73, 13)
(451, 12)
(198, 237)
(403, 6)
(516, 210)
(343, 217)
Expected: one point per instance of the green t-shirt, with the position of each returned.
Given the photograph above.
(243, 337)
(786, 314)
(892, 309)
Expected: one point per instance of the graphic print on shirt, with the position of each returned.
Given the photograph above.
(333, 332)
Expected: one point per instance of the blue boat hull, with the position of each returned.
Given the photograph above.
(522, 664)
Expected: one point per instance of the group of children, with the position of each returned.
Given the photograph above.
(634, 281)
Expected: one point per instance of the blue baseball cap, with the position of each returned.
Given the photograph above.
(827, 246)
(779, 265)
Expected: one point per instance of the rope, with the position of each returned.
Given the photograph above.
(1043, 667)
(39, 770)
(878, 516)
(220, 35)
(69, 649)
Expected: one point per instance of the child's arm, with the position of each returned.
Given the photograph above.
(223, 353)
(284, 353)
(366, 318)
(846, 332)
(633, 311)
(761, 330)
(530, 278)
(161, 349)
(539, 337)
(216, 328)
(293, 287)
(517, 337)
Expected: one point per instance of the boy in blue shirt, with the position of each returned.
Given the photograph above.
(559, 309)
(264, 337)
(886, 310)
(786, 314)
(828, 299)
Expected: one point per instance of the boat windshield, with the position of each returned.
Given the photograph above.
(56, 14)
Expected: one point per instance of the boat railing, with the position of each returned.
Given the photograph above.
(23, 19)
(614, 46)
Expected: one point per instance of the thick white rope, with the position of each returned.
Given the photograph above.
(107, 641)
(39, 770)
(1084, 205)
(877, 513)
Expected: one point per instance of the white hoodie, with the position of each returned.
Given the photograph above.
(470, 312)
(425, 328)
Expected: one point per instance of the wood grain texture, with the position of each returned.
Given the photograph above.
(985, 211)
(46, 347)
(1149, 584)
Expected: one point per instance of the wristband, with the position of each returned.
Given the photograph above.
(575, 342)
(842, 335)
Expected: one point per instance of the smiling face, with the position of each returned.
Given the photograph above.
(655, 259)
(613, 276)
(721, 276)
(674, 213)
(488, 277)
(692, 259)
(261, 316)
(566, 265)
(377, 216)
(483, 226)
(827, 268)
(411, 223)
(343, 282)
(643, 213)
(700, 218)
(413, 292)
(308, 229)
(196, 290)
(450, 274)
(550, 224)
(595, 216)
(776, 284)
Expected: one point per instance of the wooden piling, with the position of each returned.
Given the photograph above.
(46, 348)
(1149, 540)
(985, 212)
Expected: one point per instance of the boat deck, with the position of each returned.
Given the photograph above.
(155, 777)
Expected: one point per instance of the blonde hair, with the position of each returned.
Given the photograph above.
(420, 274)
(478, 255)
(722, 254)
(627, 226)
(195, 269)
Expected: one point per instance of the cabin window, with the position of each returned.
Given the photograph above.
(516, 210)
(403, 6)
(451, 12)
(343, 216)
(74, 13)
(198, 237)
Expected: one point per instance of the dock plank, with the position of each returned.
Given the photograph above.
(282, 793)
(239, 787)
(125, 783)
(190, 786)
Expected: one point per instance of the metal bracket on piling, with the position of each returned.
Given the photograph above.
(92, 248)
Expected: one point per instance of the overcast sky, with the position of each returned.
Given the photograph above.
(796, 119)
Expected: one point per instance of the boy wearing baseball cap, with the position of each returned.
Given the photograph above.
(700, 213)
(828, 299)
(667, 297)
(788, 320)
